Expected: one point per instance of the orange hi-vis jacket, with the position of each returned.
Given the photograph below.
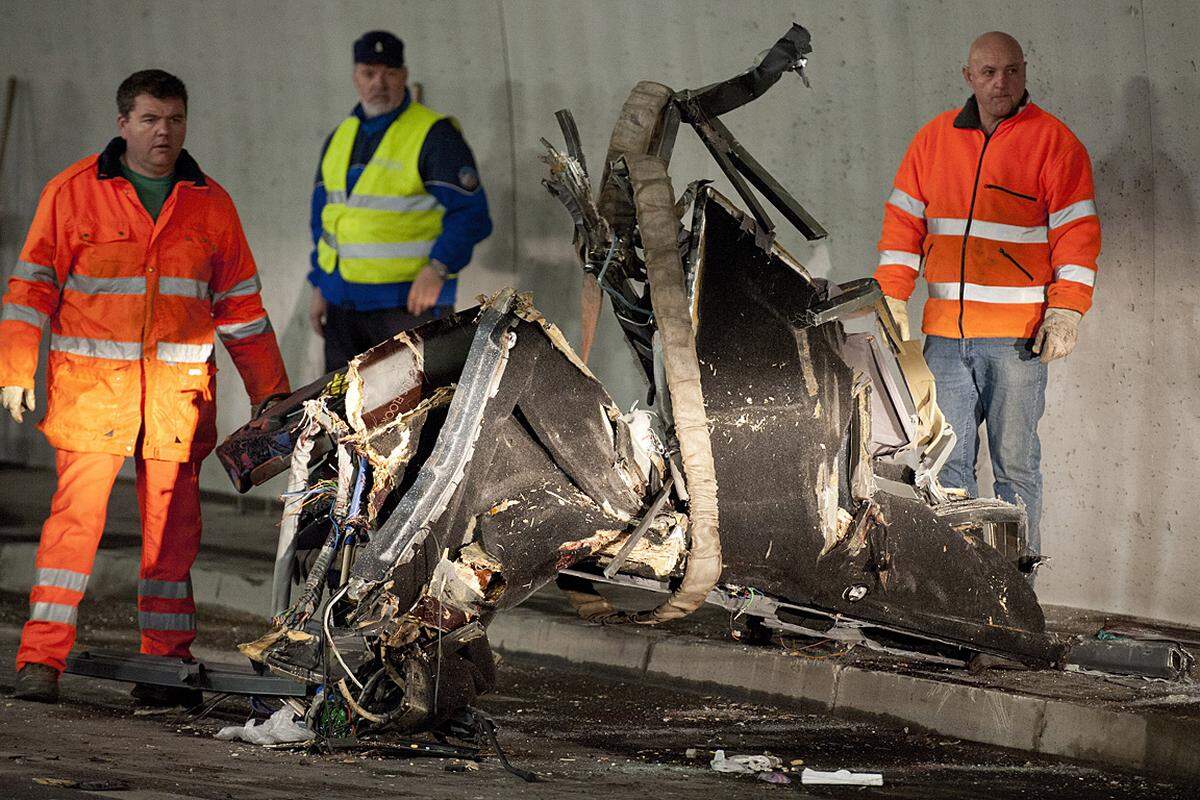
(133, 305)
(1004, 225)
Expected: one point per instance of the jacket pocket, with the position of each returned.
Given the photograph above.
(1015, 263)
(182, 398)
(92, 402)
(107, 249)
(1013, 192)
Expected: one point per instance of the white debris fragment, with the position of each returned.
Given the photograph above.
(455, 584)
(744, 764)
(843, 777)
(280, 728)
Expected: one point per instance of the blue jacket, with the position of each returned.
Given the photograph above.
(448, 169)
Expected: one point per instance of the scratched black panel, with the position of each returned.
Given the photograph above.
(778, 400)
(779, 404)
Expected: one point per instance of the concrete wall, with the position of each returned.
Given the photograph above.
(269, 79)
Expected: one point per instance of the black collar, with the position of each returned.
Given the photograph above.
(969, 116)
(109, 165)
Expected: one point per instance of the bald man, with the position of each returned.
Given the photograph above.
(994, 201)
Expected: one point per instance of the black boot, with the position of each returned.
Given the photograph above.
(37, 682)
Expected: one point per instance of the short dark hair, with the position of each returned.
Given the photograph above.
(154, 82)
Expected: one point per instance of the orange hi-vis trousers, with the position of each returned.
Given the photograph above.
(169, 500)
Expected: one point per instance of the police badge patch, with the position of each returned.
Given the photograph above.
(468, 178)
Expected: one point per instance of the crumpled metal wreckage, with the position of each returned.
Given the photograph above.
(785, 469)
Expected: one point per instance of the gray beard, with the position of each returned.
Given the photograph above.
(372, 110)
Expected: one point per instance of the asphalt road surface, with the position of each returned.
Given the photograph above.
(585, 736)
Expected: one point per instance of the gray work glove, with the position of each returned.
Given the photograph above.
(899, 309)
(1057, 335)
(17, 400)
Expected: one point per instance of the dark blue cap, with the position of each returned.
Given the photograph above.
(379, 47)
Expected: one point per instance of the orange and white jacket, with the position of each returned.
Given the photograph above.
(1004, 225)
(133, 306)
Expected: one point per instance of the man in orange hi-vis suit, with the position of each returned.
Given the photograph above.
(996, 202)
(136, 258)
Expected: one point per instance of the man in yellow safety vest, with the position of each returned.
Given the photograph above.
(396, 210)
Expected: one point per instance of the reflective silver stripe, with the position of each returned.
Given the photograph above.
(387, 250)
(377, 202)
(906, 202)
(979, 293)
(62, 578)
(96, 348)
(996, 231)
(53, 612)
(240, 330)
(1075, 273)
(184, 287)
(172, 590)
(157, 621)
(247, 287)
(176, 352)
(20, 313)
(328, 239)
(1084, 208)
(86, 284)
(901, 257)
(335, 197)
(38, 273)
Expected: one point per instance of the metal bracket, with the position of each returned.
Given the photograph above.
(163, 671)
(642, 527)
(856, 296)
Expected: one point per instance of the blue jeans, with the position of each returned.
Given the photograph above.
(1003, 382)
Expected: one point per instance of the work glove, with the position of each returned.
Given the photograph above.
(1057, 335)
(899, 309)
(17, 400)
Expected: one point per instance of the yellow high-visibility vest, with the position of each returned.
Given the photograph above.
(384, 230)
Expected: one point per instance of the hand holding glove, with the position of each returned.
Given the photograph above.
(1057, 335)
(17, 400)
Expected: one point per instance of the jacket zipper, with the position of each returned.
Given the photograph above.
(1004, 253)
(1005, 189)
(962, 269)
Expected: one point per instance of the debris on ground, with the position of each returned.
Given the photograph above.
(748, 764)
(280, 728)
(843, 777)
(774, 777)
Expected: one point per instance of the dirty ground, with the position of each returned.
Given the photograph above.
(586, 737)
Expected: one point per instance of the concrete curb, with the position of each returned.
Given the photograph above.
(1146, 741)
(1160, 744)
(115, 573)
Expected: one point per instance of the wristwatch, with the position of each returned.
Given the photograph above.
(441, 269)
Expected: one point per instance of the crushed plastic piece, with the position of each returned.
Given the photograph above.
(280, 728)
(746, 765)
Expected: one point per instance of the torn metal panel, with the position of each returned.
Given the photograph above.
(780, 400)
(393, 544)
(789, 54)
(490, 461)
